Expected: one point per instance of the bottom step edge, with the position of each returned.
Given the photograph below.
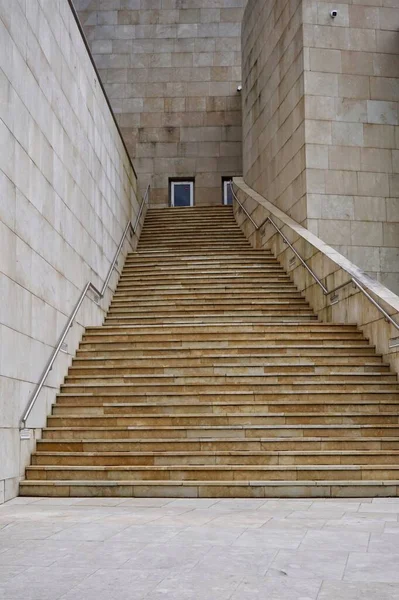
(211, 489)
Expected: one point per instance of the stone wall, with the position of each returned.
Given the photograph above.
(273, 103)
(352, 141)
(321, 102)
(171, 69)
(67, 190)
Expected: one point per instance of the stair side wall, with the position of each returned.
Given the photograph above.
(320, 121)
(67, 191)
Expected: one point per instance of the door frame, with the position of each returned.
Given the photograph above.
(176, 182)
(225, 182)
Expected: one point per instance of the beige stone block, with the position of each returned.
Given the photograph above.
(341, 182)
(373, 184)
(335, 232)
(389, 18)
(395, 161)
(385, 65)
(366, 233)
(323, 84)
(354, 86)
(389, 260)
(344, 158)
(327, 61)
(376, 159)
(378, 136)
(357, 63)
(391, 235)
(353, 111)
(384, 88)
(318, 132)
(369, 209)
(362, 40)
(383, 113)
(366, 258)
(394, 185)
(316, 181)
(347, 134)
(363, 17)
(392, 208)
(330, 37)
(386, 42)
(316, 156)
(337, 207)
(320, 107)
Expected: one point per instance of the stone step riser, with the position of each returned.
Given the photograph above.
(241, 379)
(205, 333)
(250, 459)
(65, 409)
(300, 444)
(287, 364)
(216, 474)
(209, 489)
(223, 432)
(236, 353)
(248, 396)
(198, 389)
(126, 369)
(292, 316)
(241, 419)
(136, 304)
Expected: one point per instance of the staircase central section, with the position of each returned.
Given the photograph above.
(211, 376)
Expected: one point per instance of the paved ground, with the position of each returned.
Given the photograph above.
(105, 549)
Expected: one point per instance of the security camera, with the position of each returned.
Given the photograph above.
(239, 88)
(333, 14)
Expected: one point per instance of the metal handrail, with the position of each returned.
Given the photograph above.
(88, 287)
(326, 292)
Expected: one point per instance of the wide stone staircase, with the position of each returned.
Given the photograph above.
(211, 376)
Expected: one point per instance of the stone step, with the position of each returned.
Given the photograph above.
(183, 396)
(348, 457)
(278, 352)
(127, 368)
(207, 279)
(239, 444)
(135, 303)
(216, 387)
(222, 431)
(266, 378)
(211, 420)
(317, 363)
(67, 406)
(291, 316)
(204, 289)
(212, 489)
(215, 472)
(233, 311)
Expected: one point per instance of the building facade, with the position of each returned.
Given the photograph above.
(171, 69)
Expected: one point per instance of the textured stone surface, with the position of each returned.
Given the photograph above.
(139, 562)
(171, 70)
(321, 100)
(67, 191)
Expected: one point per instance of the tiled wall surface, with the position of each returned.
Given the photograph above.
(273, 103)
(171, 69)
(352, 130)
(321, 121)
(67, 191)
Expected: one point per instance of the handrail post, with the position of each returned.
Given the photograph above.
(89, 286)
